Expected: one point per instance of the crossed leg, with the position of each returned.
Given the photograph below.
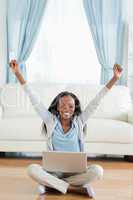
(94, 172)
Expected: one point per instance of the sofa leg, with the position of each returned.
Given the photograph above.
(128, 158)
(2, 154)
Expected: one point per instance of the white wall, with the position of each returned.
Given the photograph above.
(2, 41)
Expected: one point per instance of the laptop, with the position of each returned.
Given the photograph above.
(67, 162)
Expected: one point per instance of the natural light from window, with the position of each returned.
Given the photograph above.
(64, 50)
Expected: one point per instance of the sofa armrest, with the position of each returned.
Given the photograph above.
(130, 116)
(1, 112)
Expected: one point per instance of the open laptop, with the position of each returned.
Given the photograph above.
(67, 162)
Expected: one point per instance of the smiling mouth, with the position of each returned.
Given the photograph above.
(66, 114)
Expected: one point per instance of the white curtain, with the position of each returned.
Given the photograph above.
(64, 51)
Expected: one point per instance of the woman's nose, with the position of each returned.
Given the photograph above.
(66, 108)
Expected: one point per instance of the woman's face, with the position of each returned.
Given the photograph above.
(66, 107)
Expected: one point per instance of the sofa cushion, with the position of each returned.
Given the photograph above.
(16, 103)
(106, 130)
(17, 129)
(115, 105)
(1, 112)
(99, 130)
(130, 116)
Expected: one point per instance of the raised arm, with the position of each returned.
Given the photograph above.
(34, 98)
(91, 107)
(117, 74)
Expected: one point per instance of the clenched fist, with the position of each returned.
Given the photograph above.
(14, 66)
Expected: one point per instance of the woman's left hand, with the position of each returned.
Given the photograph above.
(117, 71)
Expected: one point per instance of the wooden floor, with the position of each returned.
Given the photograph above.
(117, 183)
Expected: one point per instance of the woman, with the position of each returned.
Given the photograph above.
(63, 124)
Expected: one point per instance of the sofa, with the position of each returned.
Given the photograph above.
(109, 130)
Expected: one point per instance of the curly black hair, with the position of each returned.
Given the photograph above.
(54, 105)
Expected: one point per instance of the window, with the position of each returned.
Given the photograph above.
(64, 50)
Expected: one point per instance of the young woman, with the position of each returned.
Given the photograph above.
(64, 124)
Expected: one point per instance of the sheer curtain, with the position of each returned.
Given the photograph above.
(108, 24)
(64, 51)
(23, 23)
(130, 46)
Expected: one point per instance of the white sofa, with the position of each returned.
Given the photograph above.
(110, 129)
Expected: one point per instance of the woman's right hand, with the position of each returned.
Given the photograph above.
(14, 66)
